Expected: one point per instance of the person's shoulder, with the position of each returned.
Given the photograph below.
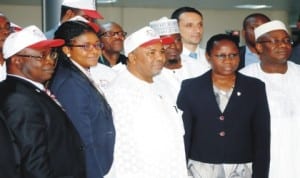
(249, 81)
(50, 33)
(197, 80)
(250, 69)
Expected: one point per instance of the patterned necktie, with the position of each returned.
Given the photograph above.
(193, 55)
(52, 96)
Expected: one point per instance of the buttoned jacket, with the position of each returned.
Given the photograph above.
(240, 134)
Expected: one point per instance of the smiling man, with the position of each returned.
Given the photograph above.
(39, 124)
(282, 78)
(149, 142)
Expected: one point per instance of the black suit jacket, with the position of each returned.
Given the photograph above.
(9, 154)
(49, 144)
(242, 51)
(240, 134)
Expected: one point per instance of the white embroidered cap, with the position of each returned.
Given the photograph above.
(165, 26)
(29, 37)
(269, 26)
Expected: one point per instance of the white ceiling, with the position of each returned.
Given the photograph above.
(292, 6)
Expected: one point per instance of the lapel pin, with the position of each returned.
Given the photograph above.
(239, 93)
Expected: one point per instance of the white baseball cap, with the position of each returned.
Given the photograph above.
(269, 26)
(29, 37)
(143, 37)
(87, 6)
(165, 26)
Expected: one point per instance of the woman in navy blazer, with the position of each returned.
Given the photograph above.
(226, 117)
(80, 97)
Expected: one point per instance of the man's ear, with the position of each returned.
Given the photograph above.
(132, 58)
(69, 14)
(259, 48)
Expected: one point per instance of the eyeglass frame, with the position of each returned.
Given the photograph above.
(52, 55)
(277, 42)
(231, 56)
(88, 46)
(112, 34)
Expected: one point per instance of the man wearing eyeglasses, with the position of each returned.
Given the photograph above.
(282, 79)
(4, 32)
(112, 36)
(48, 145)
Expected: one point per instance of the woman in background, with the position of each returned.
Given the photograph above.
(226, 118)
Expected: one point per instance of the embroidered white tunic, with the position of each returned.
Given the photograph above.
(149, 133)
(283, 93)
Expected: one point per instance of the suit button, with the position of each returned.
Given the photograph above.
(222, 118)
(81, 148)
(222, 134)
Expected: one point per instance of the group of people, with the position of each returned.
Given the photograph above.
(92, 102)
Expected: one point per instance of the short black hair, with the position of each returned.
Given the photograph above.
(176, 14)
(216, 38)
(254, 15)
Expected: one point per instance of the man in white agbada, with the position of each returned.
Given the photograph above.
(149, 132)
(282, 79)
(174, 70)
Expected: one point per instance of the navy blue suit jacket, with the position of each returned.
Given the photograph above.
(90, 113)
(240, 134)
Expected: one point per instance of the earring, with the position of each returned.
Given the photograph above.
(68, 55)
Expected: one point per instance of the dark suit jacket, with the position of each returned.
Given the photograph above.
(90, 114)
(242, 51)
(240, 134)
(9, 154)
(48, 142)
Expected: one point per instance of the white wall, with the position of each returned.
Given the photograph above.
(215, 21)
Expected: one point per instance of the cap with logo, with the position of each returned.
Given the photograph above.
(87, 6)
(28, 37)
(165, 26)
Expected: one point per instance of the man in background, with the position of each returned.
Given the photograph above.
(295, 57)
(190, 22)
(248, 53)
(71, 8)
(112, 37)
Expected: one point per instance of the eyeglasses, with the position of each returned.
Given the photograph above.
(277, 42)
(50, 55)
(111, 34)
(88, 47)
(228, 56)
